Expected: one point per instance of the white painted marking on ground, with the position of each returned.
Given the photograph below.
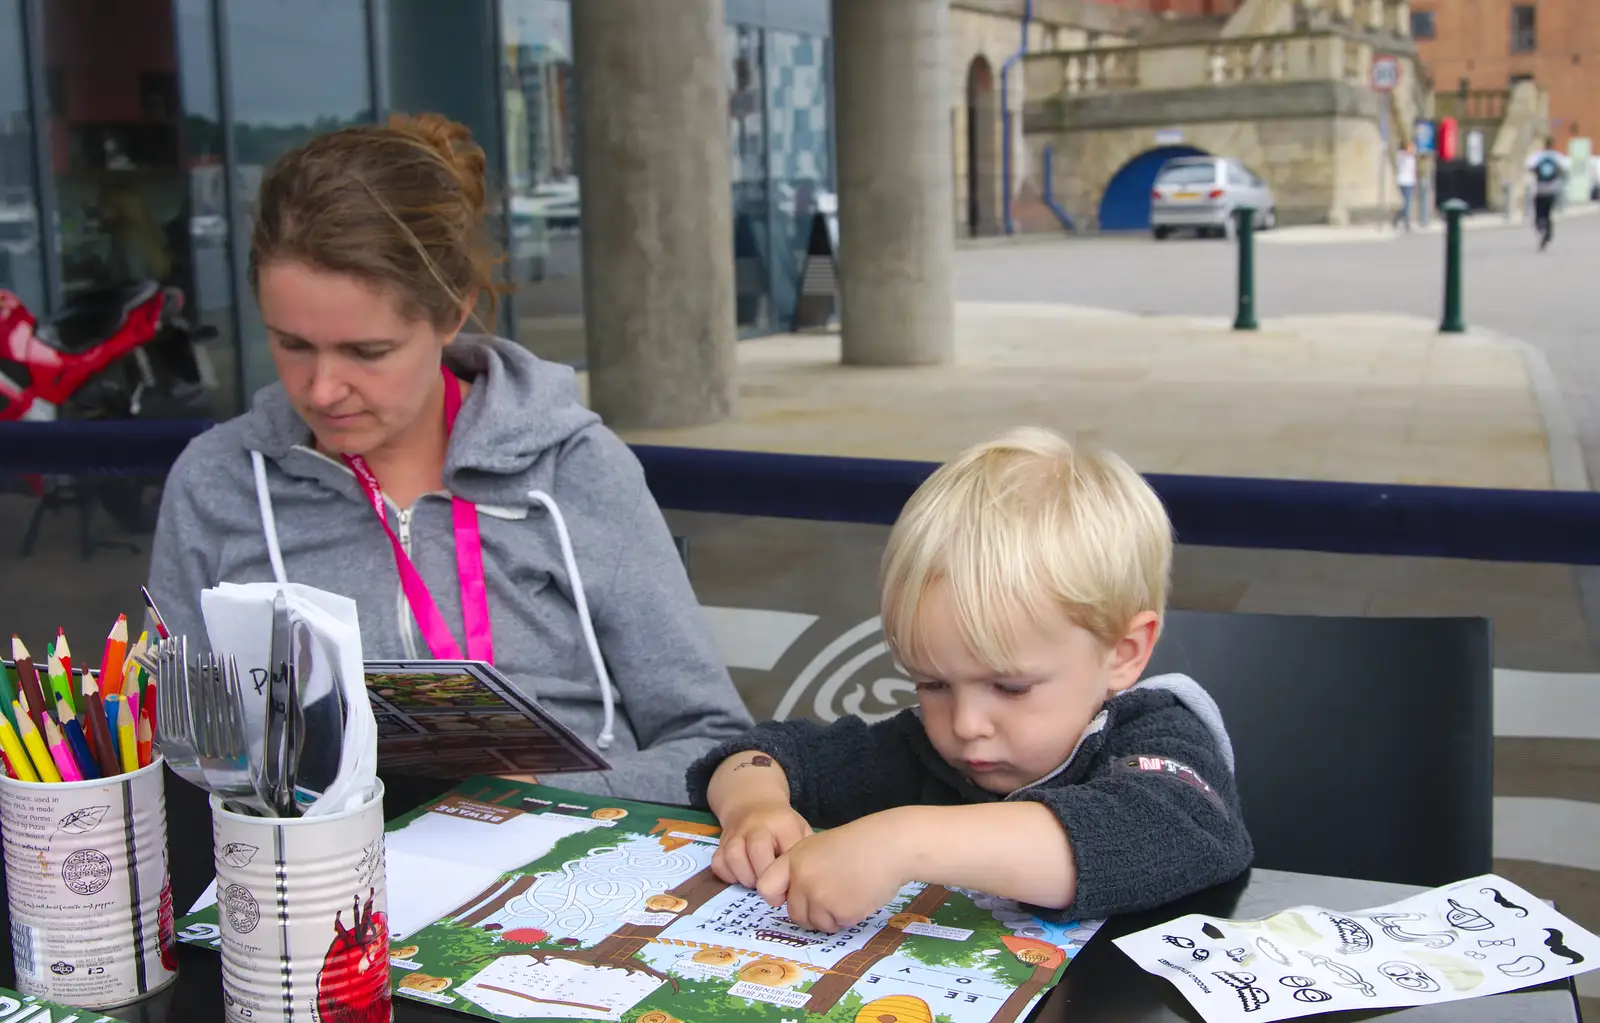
(1546, 705)
(751, 638)
(1560, 832)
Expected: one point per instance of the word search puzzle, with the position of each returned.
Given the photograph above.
(511, 901)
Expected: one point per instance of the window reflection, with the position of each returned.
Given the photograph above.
(747, 138)
(21, 257)
(112, 113)
(546, 263)
(204, 264)
(297, 68)
(799, 155)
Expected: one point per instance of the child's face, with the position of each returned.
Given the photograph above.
(1007, 732)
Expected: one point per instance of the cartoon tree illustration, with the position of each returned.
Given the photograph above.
(826, 992)
(1045, 959)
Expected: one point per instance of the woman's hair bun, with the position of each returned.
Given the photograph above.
(454, 145)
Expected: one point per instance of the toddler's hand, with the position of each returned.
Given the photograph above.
(754, 836)
(838, 878)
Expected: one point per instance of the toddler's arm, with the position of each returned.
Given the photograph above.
(832, 773)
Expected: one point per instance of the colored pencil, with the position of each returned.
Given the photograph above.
(17, 757)
(8, 692)
(65, 653)
(146, 741)
(155, 616)
(116, 653)
(127, 738)
(130, 708)
(29, 678)
(65, 764)
(37, 752)
(60, 686)
(77, 742)
(113, 705)
(105, 747)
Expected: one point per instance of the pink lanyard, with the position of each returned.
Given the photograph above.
(469, 560)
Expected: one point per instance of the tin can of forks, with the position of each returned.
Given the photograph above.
(302, 912)
(88, 888)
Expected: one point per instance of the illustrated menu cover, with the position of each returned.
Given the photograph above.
(19, 1007)
(457, 719)
(510, 901)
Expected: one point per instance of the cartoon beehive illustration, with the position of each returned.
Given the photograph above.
(665, 903)
(899, 920)
(895, 1009)
(1034, 952)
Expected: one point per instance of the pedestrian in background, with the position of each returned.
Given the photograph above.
(1405, 176)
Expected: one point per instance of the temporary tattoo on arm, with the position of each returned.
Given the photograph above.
(759, 760)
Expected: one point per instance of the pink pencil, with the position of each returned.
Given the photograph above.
(59, 751)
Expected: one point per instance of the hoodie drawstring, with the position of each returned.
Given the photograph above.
(269, 527)
(269, 522)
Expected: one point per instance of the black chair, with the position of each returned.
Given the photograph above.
(1364, 746)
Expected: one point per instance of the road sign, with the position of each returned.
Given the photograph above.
(1424, 134)
(1384, 75)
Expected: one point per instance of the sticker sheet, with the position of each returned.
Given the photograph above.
(1476, 937)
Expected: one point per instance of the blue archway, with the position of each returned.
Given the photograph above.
(1126, 203)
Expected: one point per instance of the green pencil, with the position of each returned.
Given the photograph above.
(8, 692)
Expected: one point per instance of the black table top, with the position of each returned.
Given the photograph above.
(1101, 984)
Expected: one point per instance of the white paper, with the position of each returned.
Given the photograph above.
(1476, 937)
(238, 621)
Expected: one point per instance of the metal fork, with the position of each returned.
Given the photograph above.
(221, 741)
(174, 725)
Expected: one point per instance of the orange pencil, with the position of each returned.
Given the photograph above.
(111, 662)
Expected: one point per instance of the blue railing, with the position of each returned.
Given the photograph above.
(1557, 527)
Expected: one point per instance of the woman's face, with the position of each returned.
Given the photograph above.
(356, 370)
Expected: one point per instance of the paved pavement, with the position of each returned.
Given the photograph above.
(1375, 398)
(1545, 299)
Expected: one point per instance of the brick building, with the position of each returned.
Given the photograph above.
(1488, 44)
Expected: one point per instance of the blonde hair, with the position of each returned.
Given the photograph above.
(1021, 529)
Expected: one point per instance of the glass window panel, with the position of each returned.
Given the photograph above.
(21, 254)
(799, 155)
(297, 69)
(545, 248)
(747, 137)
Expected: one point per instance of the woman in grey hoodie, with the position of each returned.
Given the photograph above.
(392, 438)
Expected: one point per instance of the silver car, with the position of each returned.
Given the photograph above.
(1200, 193)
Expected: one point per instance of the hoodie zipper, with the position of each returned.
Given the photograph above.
(405, 619)
(407, 638)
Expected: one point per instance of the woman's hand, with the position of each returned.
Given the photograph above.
(754, 835)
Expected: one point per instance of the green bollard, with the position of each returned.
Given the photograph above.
(1452, 323)
(1245, 318)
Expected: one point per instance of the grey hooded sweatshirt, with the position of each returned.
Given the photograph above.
(521, 428)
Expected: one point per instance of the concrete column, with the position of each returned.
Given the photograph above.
(657, 211)
(891, 76)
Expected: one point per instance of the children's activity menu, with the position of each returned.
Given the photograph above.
(510, 901)
(20, 1007)
(456, 719)
(1477, 937)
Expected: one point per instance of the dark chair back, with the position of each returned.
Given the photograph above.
(1364, 746)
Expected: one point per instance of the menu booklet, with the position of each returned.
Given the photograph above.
(456, 719)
